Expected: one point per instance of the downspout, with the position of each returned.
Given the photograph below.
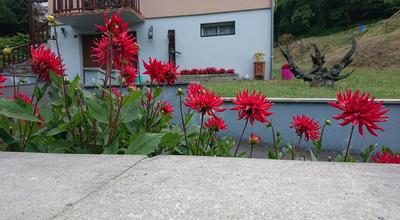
(272, 39)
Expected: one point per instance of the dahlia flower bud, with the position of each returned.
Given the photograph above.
(179, 91)
(7, 51)
(328, 122)
(268, 124)
(50, 19)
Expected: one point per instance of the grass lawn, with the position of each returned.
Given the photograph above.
(381, 83)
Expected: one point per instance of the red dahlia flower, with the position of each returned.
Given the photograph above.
(170, 73)
(43, 61)
(22, 96)
(156, 70)
(116, 92)
(386, 157)
(306, 127)
(254, 139)
(124, 50)
(166, 108)
(129, 74)
(253, 107)
(360, 110)
(206, 102)
(195, 89)
(2, 79)
(113, 25)
(216, 124)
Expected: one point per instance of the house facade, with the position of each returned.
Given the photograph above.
(193, 33)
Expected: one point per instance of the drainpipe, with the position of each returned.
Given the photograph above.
(272, 38)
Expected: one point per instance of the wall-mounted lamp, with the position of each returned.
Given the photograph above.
(151, 30)
(64, 32)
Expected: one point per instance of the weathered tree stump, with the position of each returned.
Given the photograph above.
(319, 75)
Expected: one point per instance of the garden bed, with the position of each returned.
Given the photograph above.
(208, 77)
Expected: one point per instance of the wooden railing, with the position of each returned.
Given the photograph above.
(19, 54)
(76, 6)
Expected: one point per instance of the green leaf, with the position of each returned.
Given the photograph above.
(313, 157)
(98, 110)
(61, 128)
(271, 155)
(113, 149)
(16, 110)
(144, 144)
(6, 137)
(56, 79)
(40, 91)
(157, 92)
(366, 154)
(130, 113)
(133, 95)
(61, 146)
(170, 139)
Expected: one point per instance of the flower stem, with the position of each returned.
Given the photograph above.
(251, 151)
(64, 87)
(183, 123)
(348, 144)
(274, 139)
(320, 140)
(295, 147)
(241, 137)
(201, 131)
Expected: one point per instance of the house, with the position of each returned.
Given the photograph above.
(193, 33)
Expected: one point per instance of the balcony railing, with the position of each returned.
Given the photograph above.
(77, 6)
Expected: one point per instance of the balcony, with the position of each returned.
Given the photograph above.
(88, 12)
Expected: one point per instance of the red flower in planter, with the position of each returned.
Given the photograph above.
(43, 61)
(216, 124)
(166, 108)
(129, 74)
(386, 157)
(230, 71)
(2, 79)
(156, 70)
(360, 110)
(253, 107)
(170, 73)
(113, 25)
(306, 127)
(205, 102)
(254, 139)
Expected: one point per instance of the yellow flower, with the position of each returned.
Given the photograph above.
(50, 19)
(7, 51)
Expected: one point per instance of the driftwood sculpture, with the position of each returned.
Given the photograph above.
(319, 75)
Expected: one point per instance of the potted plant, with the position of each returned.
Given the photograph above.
(259, 66)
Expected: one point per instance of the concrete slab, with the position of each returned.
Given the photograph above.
(39, 186)
(169, 187)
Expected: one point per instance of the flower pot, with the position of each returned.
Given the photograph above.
(259, 70)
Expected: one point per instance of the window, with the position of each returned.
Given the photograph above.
(218, 29)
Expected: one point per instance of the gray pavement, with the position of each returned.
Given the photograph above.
(44, 186)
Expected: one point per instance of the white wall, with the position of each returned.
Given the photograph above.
(70, 49)
(235, 51)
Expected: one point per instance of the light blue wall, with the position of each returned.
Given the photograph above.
(70, 49)
(335, 138)
(235, 51)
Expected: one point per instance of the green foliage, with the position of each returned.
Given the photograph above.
(13, 41)
(304, 17)
(13, 17)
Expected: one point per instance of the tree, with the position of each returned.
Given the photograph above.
(13, 17)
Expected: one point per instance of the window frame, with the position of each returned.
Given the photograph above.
(218, 25)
